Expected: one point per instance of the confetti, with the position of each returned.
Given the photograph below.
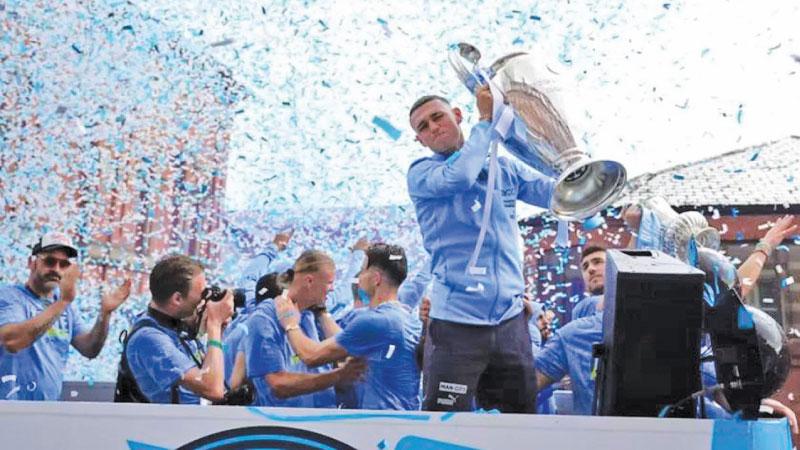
(593, 223)
(386, 126)
(180, 128)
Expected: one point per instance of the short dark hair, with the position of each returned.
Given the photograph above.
(389, 259)
(592, 248)
(425, 99)
(173, 274)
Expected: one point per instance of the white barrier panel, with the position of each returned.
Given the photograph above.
(67, 425)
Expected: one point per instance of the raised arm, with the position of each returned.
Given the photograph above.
(412, 290)
(19, 335)
(340, 300)
(534, 188)
(310, 352)
(751, 269)
(91, 343)
(209, 381)
(429, 178)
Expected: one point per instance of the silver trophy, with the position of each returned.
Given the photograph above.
(583, 186)
(678, 229)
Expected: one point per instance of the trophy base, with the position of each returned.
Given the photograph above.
(587, 187)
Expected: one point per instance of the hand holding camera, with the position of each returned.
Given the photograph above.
(219, 305)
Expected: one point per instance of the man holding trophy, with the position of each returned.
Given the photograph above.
(477, 348)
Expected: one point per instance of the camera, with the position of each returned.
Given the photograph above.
(215, 293)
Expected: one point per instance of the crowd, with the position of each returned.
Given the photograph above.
(458, 336)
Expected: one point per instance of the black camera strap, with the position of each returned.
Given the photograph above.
(155, 317)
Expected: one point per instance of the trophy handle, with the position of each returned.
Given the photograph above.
(464, 52)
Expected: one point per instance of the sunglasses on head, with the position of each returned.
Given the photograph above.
(52, 261)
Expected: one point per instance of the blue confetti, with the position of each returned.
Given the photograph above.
(593, 222)
(676, 176)
(386, 126)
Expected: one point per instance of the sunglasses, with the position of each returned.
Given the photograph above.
(51, 261)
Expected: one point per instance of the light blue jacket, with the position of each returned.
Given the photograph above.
(448, 195)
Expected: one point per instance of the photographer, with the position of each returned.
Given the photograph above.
(162, 355)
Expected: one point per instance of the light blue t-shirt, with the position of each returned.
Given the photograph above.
(533, 328)
(158, 360)
(36, 372)
(267, 350)
(586, 307)
(233, 342)
(569, 352)
(387, 336)
(350, 396)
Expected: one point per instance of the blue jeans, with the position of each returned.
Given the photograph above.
(487, 366)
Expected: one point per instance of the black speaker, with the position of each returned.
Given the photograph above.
(650, 356)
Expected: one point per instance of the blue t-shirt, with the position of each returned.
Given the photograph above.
(233, 342)
(569, 351)
(158, 360)
(36, 372)
(586, 307)
(350, 396)
(387, 336)
(267, 350)
(533, 328)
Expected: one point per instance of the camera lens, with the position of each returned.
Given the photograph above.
(213, 294)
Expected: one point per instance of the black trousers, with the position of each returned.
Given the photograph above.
(490, 367)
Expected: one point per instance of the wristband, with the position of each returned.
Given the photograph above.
(216, 343)
(291, 327)
(286, 315)
(764, 248)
